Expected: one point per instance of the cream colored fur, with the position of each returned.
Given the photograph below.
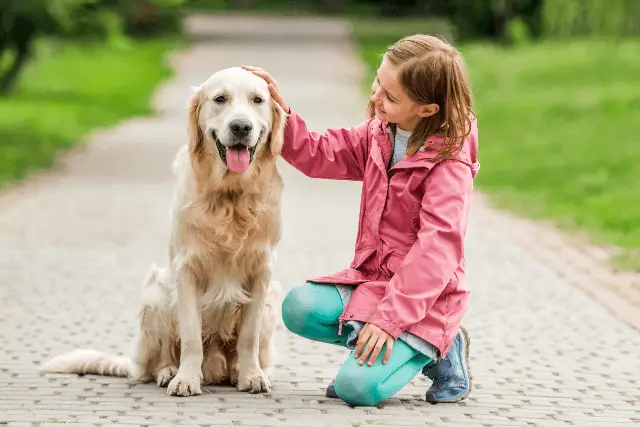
(210, 316)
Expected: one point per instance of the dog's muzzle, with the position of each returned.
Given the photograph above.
(238, 156)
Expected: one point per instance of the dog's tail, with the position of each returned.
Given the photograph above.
(85, 361)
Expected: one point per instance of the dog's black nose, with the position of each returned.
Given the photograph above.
(240, 128)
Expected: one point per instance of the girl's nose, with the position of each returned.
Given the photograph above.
(375, 96)
(374, 86)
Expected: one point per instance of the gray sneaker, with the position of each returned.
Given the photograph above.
(451, 376)
(331, 390)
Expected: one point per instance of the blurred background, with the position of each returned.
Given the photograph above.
(556, 86)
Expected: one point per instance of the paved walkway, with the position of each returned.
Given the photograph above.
(76, 246)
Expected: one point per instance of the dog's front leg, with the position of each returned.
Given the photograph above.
(188, 380)
(250, 376)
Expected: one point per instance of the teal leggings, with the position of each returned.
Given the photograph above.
(312, 310)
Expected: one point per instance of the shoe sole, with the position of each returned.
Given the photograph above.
(331, 391)
(467, 343)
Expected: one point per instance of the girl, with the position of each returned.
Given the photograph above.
(400, 304)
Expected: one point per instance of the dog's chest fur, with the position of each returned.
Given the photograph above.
(230, 235)
(235, 237)
(233, 228)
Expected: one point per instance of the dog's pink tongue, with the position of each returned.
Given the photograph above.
(238, 158)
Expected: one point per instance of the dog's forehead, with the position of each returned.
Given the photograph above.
(234, 80)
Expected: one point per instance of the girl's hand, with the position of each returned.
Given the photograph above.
(273, 86)
(376, 338)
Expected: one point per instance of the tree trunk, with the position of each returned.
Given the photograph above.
(20, 35)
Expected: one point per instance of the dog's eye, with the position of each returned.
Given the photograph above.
(258, 100)
(220, 99)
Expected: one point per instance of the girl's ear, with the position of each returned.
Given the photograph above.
(428, 110)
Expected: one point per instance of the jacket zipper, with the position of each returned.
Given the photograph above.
(386, 161)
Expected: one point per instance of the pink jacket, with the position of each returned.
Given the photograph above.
(409, 265)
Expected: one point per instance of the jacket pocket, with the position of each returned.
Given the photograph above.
(361, 257)
(392, 262)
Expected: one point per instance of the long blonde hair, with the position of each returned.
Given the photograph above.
(432, 71)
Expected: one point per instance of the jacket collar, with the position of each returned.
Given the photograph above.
(381, 150)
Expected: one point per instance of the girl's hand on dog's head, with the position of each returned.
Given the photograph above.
(273, 86)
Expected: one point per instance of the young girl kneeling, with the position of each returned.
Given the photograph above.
(400, 305)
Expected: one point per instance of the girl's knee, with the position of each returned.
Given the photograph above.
(296, 307)
(310, 304)
(357, 388)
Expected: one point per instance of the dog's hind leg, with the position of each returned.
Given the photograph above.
(214, 367)
(232, 365)
(147, 349)
(167, 368)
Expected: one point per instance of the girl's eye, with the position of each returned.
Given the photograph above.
(220, 99)
(258, 100)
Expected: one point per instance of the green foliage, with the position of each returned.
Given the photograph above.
(518, 21)
(570, 18)
(289, 7)
(71, 89)
(517, 32)
(23, 21)
(494, 18)
(105, 18)
(95, 18)
(43, 13)
(389, 31)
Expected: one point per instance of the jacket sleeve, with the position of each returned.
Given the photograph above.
(336, 154)
(432, 260)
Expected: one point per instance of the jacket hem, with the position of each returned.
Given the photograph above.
(436, 339)
(386, 325)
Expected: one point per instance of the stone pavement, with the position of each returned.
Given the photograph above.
(76, 244)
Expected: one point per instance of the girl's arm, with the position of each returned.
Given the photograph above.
(433, 259)
(336, 154)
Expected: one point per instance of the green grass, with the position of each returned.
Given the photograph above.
(559, 130)
(70, 90)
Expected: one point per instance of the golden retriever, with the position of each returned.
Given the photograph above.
(211, 315)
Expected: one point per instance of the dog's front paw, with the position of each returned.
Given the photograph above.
(165, 375)
(254, 381)
(185, 384)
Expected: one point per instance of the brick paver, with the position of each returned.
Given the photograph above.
(76, 245)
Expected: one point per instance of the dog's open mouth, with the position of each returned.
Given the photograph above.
(237, 157)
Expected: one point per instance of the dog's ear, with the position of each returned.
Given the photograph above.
(278, 123)
(196, 137)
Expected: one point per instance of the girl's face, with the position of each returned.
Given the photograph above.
(392, 104)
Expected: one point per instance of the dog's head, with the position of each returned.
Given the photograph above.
(233, 123)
